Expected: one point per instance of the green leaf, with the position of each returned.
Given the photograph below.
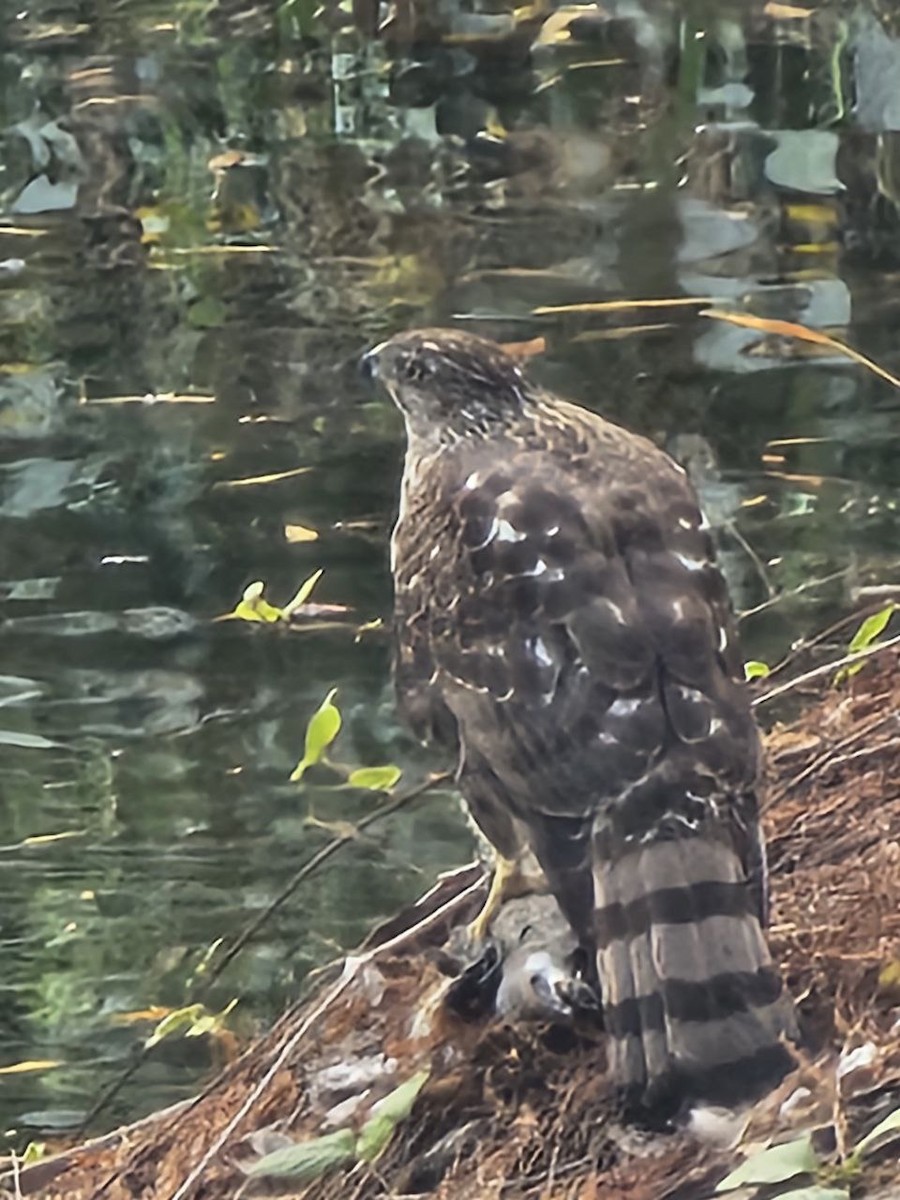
(177, 1021)
(209, 954)
(324, 726)
(202, 1026)
(774, 1165)
(308, 1160)
(375, 779)
(253, 606)
(386, 1115)
(210, 1022)
(33, 1153)
(303, 594)
(756, 670)
(884, 1132)
(192, 1021)
(868, 632)
(374, 1138)
(889, 976)
(871, 628)
(398, 1104)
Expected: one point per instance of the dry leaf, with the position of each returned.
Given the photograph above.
(228, 158)
(253, 480)
(155, 1013)
(41, 839)
(299, 533)
(812, 214)
(801, 333)
(525, 350)
(622, 331)
(555, 30)
(602, 306)
(786, 12)
(34, 1064)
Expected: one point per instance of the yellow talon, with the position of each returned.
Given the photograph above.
(507, 875)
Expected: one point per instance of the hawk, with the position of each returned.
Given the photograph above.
(562, 627)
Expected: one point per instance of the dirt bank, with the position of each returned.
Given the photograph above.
(526, 1111)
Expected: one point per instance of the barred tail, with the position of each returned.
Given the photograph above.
(693, 1006)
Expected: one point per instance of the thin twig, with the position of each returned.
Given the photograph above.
(732, 529)
(827, 758)
(315, 862)
(109, 1093)
(803, 645)
(792, 593)
(826, 669)
(866, 752)
(812, 584)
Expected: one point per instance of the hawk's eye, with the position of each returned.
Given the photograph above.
(416, 369)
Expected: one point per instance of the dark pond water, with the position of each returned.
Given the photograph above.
(208, 210)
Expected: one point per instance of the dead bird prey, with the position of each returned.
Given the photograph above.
(562, 626)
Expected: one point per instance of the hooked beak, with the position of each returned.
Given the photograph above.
(368, 364)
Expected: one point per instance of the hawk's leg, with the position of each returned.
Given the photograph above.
(513, 877)
(504, 841)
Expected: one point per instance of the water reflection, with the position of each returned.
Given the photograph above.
(207, 213)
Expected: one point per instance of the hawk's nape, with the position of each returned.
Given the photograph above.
(561, 626)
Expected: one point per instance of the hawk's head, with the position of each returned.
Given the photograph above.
(448, 383)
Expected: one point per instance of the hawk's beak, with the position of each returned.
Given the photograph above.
(368, 364)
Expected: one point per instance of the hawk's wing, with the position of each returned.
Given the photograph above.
(574, 632)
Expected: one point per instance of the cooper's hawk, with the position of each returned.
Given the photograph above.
(562, 625)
